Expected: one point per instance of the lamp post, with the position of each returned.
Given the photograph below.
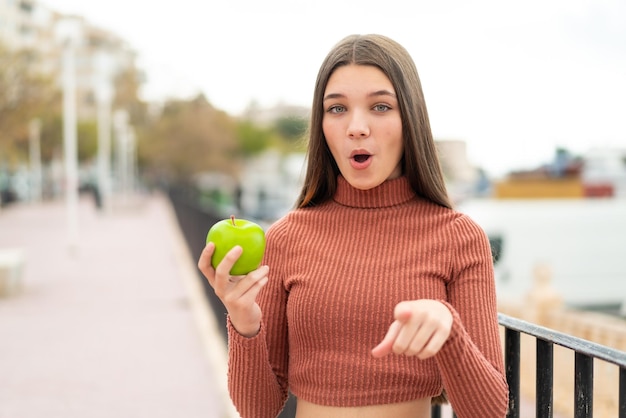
(104, 96)
(68, 31)
(120, 122)
(132, 159)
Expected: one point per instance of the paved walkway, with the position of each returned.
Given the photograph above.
(116, 327)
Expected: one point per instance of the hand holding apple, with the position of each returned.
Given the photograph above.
(228, 233)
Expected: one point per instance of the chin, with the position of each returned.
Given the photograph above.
(364, 184)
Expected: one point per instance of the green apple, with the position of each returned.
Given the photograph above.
(227, 233)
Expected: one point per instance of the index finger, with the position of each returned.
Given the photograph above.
(386, 345)
(229, 260)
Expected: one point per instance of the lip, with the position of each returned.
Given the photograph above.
(359, 151)
(360, 165)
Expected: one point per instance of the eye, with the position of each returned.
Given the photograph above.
(336, 109)
(381, 107)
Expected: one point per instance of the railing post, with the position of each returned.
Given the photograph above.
(586, 352)
(622, 392)
(435, 411)
(544, 381)
(512, 363)
(583, 386)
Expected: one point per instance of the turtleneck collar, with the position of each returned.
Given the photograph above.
(389, 193)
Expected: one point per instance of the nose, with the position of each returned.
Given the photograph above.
(358, 126)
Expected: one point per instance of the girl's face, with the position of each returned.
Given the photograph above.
(362, 125)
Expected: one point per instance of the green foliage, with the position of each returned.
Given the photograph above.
(24, 95)
(252, 138)
(51, 140)
(127, 84)
(187, 138)
(291, 129)
(87, 138)
(191, 137)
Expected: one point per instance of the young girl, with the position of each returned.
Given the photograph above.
(375, 297)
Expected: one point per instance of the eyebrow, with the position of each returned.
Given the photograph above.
(372, 94)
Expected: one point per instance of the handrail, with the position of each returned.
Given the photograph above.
(576, 344)
(585, 352)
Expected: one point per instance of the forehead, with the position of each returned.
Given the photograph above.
(363, 77)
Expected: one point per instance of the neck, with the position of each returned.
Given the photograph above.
(389, 193)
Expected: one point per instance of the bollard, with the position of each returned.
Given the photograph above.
(11, 267)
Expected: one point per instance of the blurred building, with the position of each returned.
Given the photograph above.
(604, 171)
(101, 56)
(601, 172)
(17, 23)
(264, 116)
(462, 178)
(270, 184)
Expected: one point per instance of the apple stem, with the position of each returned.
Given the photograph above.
(232, 219)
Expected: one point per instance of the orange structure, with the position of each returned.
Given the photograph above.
(539, 187)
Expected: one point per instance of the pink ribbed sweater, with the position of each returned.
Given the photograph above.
(337, 271)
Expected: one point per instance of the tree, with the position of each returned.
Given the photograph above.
(252, 138)
(188, 138)
(291, 129)
(24, 95)
(126, 85)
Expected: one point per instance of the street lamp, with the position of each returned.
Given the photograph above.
(104, 96)
(68, 31)
(122, 135)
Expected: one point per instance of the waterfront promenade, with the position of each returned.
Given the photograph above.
(114, 326)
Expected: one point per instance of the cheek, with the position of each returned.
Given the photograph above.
(396, 150)
(327, 129)
(330, 136)
(393, 135)
(398, 139)
(400, 150)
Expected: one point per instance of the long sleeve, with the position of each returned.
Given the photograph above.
(257, 377)
(336, 272)
(471, 362)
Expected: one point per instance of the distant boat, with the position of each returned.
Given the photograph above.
(583, 241)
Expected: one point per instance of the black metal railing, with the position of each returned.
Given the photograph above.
(585, 352)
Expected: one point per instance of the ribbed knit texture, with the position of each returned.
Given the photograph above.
(336, 273)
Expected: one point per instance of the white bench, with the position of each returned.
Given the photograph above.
(11, 268)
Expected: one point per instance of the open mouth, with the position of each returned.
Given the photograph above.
(361, 158)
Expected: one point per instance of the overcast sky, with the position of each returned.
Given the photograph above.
(512, 79)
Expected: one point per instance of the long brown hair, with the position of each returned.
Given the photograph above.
(420, 163)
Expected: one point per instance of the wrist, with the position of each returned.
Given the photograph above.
(245, 328)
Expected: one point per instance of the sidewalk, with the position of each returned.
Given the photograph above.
(119, 327)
